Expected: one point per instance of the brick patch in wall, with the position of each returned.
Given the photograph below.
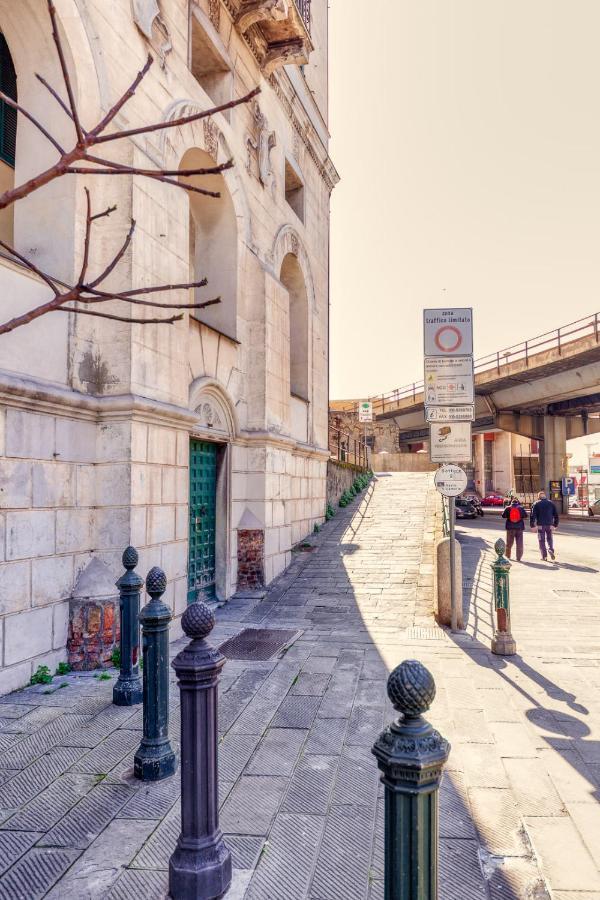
(251, 555)
(93, 632)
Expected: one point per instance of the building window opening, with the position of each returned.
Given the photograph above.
(294, 190)
(8, 137)
(210, 67)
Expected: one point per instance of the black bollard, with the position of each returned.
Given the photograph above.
(155, 758)
(200, 867)
(128, 690)
(411, 756)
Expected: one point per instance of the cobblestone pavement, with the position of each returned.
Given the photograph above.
(301, 805)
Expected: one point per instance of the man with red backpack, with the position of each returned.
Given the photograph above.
(515, 517)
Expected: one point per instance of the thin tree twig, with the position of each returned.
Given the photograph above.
(106, 212)
(155, 176)
(10, 102)
(104, 297)
(86, 242)
(117, 258)
(152, 290)
(110, 115)
(176, 123)
(65, 72)
(182, 173)
(56, 95)
(90, 312)
(31, 266)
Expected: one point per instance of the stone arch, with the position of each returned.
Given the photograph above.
(288, 241)
(207, 135)
(215, 409)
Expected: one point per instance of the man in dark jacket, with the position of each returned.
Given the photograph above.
(515, 517)
(544, 519)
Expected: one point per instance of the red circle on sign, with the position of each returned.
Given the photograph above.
(457, 338)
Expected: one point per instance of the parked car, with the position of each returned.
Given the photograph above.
(493, 500)
(465, 508)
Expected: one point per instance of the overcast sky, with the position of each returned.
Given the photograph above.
(467, 136)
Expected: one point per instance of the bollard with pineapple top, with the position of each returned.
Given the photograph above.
(411, 755)
(503, 643)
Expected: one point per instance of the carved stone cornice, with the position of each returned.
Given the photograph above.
(305, 130)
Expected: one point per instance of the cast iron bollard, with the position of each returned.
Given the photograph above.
(200, 867)
(155, 758)
(503, 643)
(411, 756)
(128, 690)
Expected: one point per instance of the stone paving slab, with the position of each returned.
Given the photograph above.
(301, 803)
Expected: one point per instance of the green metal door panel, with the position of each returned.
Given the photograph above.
(202, 525)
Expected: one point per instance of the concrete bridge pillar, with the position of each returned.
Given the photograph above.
(553, 454)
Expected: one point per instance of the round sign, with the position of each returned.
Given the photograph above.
(450, 480)
(448, 339)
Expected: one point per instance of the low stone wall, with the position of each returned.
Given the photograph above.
(402, 462)
(340, 477)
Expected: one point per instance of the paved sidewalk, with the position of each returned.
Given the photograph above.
(300, 801)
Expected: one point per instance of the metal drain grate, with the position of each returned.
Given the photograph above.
(257, 643)
(421, 633)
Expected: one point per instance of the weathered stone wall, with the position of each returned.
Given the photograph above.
(384, 433)
(340, 477)
(402, 462)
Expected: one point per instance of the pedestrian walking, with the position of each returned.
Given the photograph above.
(515, 517)
(544, 520)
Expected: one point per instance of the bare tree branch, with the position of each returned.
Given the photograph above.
(117, 258)
(176, 123)
(110, 115)
(151, 173)
(31, 266)
(65, 72)
(156, 176)
(56, 95)
(10, 102)
(89, 312)
(86, 243)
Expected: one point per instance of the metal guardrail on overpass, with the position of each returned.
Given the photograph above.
(344, 448)
(523, 351)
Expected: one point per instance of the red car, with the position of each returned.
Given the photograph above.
(493, 500)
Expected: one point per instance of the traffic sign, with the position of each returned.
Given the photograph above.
(365, 411)
(449, 380)
(448, 332)
(450, 413)
(450, 443)
(450, 480)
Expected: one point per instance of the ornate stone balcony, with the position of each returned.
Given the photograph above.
(278, 31)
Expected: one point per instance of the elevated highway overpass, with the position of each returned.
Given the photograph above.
(546, 388)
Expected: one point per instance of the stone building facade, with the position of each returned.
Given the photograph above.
(196, 442)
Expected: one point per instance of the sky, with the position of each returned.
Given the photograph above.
(467, 137)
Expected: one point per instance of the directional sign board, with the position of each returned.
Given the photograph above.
(450, 480)
(365, 411)
(450, 413)
(450, 443)
(448, 380)
(448, 332)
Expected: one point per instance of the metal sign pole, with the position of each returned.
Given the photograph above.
(453, 609)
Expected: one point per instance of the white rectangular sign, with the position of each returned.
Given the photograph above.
(450, 413)
(448, 332)
(365, 411)
(449, 380)
(450, 443)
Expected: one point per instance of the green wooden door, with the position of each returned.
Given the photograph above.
(203, 497)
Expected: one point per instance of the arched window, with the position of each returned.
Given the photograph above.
(213, 245)
(292, 279)
(8, 136)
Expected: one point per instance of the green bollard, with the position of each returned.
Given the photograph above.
(503, 643)
(411, 755)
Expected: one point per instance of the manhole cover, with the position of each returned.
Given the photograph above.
(571, 593)
(257, 643)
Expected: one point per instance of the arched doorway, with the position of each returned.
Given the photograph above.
(209, 533)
